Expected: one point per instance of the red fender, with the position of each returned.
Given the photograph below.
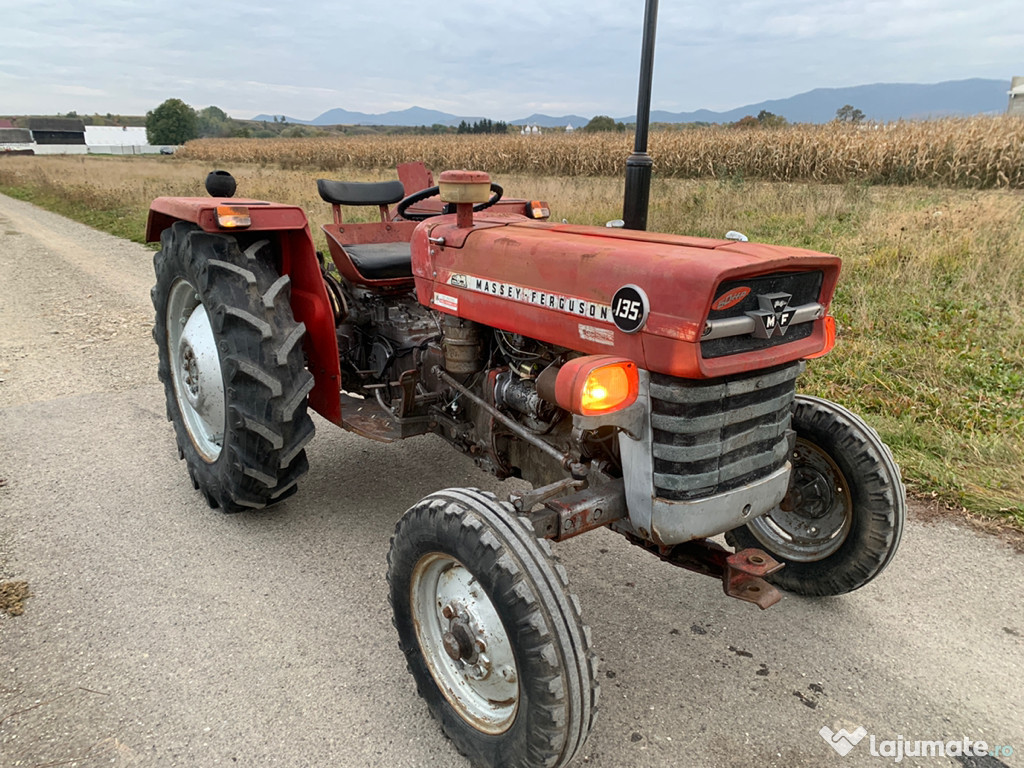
(288, 227)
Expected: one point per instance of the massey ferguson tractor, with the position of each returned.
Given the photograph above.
(640, 382)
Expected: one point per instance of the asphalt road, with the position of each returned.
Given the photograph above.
(163, 633)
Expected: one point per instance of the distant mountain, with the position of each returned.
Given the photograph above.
(881, 101)
(408, 117)
(547, 121)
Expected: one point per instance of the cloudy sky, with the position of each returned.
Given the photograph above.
(502, 60)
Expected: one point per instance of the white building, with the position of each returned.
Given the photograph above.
(115, 136)
(15, 139)
(99, 140)
(1016, 105)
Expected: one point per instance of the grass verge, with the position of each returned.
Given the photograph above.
(930, 303)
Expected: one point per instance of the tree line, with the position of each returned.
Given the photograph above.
(764, 119)
(483, 126)
(175, 122)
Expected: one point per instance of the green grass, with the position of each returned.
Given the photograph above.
(127, 221)
(930, 301)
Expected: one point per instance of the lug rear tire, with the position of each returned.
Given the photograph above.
(841, 523)
(231, 361)
(490, 633)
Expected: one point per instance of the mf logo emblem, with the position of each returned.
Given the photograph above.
(773, 317)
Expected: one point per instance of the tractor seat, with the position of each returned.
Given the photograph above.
(381, 261)
(360, 192)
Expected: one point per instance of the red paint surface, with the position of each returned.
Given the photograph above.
(164, 211)
(679, 275)
(288, 226)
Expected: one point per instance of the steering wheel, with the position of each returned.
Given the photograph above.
(416, 197)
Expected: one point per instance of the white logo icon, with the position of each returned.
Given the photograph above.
(842, 741)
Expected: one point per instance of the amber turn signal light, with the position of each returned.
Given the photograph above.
(233, 217)
(596, 384)
(538, 209)
(830, 338)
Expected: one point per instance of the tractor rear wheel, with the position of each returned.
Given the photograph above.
(230, 359)
(840, 524)
(490, 634)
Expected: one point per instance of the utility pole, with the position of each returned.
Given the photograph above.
(638, 165)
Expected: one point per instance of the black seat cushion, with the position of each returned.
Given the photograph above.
(360, 192)
(381, 261)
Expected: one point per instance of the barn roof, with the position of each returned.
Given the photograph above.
(15, 136)
(67, 124)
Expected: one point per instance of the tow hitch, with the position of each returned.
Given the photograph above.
(742, 573)
(744, 577)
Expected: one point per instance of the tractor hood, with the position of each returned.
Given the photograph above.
(685, 306)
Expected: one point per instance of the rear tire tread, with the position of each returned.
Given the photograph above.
(266, 383)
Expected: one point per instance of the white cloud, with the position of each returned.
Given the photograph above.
(496, 59)
(79, 90)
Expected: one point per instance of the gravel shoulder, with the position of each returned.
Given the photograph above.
(160, 632)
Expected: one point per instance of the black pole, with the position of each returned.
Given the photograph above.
(638, 165)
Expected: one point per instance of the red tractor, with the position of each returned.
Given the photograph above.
(641, 382)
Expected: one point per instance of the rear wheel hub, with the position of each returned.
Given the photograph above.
(196, 370)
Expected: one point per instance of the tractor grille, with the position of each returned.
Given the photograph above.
(803, 287)
(714, 436)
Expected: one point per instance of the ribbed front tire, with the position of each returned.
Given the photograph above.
(490, 632)
(841, 522)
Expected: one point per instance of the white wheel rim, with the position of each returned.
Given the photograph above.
(195, 369)
(464, 643)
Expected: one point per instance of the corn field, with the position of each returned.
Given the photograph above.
(978, 152)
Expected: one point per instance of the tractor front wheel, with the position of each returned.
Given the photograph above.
(841, 522)
(230, 359)
(490, 634)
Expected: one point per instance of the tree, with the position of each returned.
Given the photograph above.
(771, 120)
(173, 122)
(849, 114)
(213, 121)
(298, 132)
(748, 121)
(600, 123)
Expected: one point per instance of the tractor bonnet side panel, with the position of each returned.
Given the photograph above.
(558, 283)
